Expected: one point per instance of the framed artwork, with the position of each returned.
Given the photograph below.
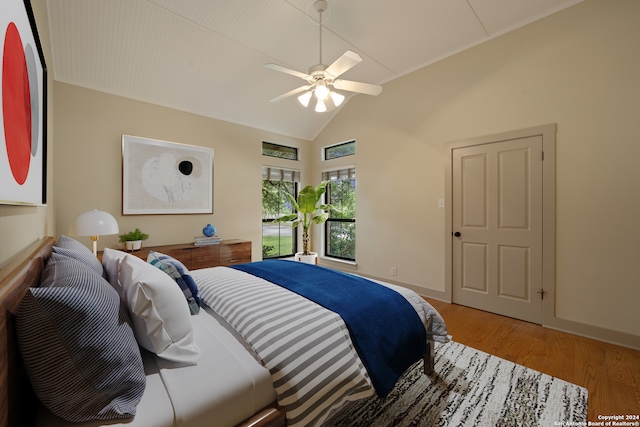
(23, 90)
(160, 177)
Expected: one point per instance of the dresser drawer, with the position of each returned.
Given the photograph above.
(204, 257)
(235, 253)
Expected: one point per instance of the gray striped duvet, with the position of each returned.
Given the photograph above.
(306, 348)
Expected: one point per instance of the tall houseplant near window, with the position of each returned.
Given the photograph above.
(309, 210)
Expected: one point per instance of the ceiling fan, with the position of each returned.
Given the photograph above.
(321, 78)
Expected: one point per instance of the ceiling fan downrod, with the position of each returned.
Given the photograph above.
(320, 6)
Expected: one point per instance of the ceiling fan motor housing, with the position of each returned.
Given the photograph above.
(318, 71)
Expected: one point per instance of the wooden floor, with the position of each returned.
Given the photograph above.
(610, 373)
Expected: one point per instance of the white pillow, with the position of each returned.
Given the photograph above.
(111, 265)
(161, 320)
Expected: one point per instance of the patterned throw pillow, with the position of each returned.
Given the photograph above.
(78, 346)
(178, 272)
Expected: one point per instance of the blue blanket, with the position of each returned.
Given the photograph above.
(385, 329)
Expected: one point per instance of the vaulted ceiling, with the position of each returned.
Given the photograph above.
(207, 56)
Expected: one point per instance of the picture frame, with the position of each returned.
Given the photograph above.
(23, 121)
(161, 177)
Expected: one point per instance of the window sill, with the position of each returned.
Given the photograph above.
(338, 263)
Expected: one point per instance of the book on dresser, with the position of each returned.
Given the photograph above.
(226, 252)
(204, 240)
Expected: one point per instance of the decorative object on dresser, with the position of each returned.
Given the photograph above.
(133, 239)
(209, 230)
(309, 210)
(94, 223)
(227, 252)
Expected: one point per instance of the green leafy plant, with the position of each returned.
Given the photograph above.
(133, 236)
(309, 211)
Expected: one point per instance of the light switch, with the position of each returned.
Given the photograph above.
(441, 203)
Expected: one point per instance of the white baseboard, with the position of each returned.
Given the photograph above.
(595, 332)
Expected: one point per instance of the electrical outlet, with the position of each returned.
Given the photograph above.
(394, 271)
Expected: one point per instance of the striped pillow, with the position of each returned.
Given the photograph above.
(74, 249)
(78, 346)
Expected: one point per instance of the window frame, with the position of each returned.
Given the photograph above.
(274, 148)
(327, 148)
(294, 232)
(332, 220)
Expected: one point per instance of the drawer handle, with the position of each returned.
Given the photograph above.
(231, 261)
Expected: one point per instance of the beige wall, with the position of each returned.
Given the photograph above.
(88, 165)
(22, 225)
(579, 69)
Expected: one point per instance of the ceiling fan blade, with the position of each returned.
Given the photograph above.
(359, 87)
(287, 70)
(348, 60)
(291, 93)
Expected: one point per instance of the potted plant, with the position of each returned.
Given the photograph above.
(133, 239)
(309, 211)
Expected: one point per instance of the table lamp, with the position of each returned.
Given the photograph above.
(94, 223)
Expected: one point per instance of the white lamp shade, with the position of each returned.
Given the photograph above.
(337, 98)
(94, 223)
(320, 107)
(304, 98)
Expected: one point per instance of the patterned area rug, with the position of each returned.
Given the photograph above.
(470, 388)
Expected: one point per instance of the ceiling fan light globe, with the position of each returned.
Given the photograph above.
(320, 107)
(322, 92)
(336, 98)
(305, 98)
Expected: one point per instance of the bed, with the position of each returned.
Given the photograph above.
(244, 390)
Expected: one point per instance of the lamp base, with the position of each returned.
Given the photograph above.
(94, 239)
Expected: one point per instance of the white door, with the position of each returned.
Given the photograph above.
(497, 227)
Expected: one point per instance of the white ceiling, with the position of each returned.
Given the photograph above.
(207, 56)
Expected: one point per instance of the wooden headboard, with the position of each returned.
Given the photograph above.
(17, 401)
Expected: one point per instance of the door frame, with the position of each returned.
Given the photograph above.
(548, 134)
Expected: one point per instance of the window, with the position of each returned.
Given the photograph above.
(278, 240)
(340, 228)
(340, 150)
(281, 151)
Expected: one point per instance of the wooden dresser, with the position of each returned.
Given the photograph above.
(228, 252)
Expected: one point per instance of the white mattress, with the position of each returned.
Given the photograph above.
(226, 387)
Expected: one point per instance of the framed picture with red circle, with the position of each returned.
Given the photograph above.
(23, 118)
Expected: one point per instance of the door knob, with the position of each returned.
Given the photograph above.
(457, 234)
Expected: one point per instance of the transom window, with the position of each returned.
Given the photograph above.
(282, 151)
(340, 150)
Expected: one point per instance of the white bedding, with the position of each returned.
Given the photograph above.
(226, 387)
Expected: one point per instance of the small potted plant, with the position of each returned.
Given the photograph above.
(309, 211)
(133, 239)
